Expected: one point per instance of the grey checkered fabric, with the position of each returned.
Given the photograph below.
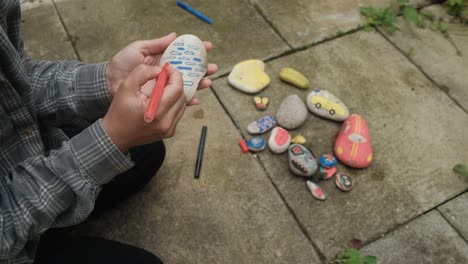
(47, 179)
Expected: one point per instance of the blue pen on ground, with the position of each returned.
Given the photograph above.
(194, 12)
(201, 148)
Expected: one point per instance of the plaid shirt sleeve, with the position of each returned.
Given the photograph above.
(57, 190)
(66, 91)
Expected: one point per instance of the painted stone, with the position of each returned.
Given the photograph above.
(292, 112)
(249, 76)
(256, 144)
(328, 160)
(187, 54)
(301, 161)
(262, 125)
(327, 173)
(343, 182)
(294, 77)
(353, 145)
(279, 140)
(261, 103)
(299, 139)
(325, 104)
(316, 191)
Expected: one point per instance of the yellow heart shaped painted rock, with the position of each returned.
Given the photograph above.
(249, 76)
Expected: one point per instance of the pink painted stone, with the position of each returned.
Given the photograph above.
(353, 145)
(327, 172)
(279, 140)
(316, 191)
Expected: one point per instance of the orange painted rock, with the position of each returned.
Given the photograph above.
(353, 145)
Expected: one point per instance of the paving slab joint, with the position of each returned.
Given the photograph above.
(320, 254)
(441, 87)
(450, 223)
(269, 22)
(66, 31)
(396, 227)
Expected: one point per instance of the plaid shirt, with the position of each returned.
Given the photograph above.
(47, 179)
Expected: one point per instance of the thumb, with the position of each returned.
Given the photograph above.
(156, 46)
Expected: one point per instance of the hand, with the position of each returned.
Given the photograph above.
(124, 120)
(147, 52)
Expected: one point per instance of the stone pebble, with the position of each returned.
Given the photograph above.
(301, 161)
(279, 140)
(292, 112)
(325, 104)
(294, 77)
(249, 76)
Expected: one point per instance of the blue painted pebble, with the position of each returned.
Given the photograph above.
(256, 144)
(328, 160)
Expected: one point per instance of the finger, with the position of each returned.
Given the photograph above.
(173, 92)
(155, 46)
(204, 83)
(141, 75)
(170, 119)
(193, 102)
(211, 69)
(176, 120)
(208, 45)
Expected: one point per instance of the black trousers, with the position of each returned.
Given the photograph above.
(58, 247)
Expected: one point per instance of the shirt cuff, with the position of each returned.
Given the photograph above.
(92, 92)
(97, 154)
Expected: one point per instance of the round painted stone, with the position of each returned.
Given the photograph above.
(262, 125)
(327, 172)
(325, 104)
(328, 160)
(343, 182)
(316, 191)
(292, 112)
(249, 76)
(187, 54)
(256, 144)
(353, 145)
(279, 140)
(301, 161)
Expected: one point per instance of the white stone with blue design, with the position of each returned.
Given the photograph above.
(187, 54)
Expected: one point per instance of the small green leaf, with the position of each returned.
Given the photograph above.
(443, 27)
(422, 22)
(411, 14)
(461, 169)
(367, 28)
(435, 25)
(367, 11)
(369, 260)
(392, 28)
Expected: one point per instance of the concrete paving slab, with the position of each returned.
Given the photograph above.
(43, 33)
(436, 54)
(428, 239)
(456, 212)
(102, 28)
(303, 22)
(416, 130)
(232, 214)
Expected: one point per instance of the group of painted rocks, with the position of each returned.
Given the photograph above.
(352, 144)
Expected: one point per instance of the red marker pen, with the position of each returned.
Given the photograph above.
(156, 95)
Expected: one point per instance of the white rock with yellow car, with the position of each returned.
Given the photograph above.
(325, 104)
